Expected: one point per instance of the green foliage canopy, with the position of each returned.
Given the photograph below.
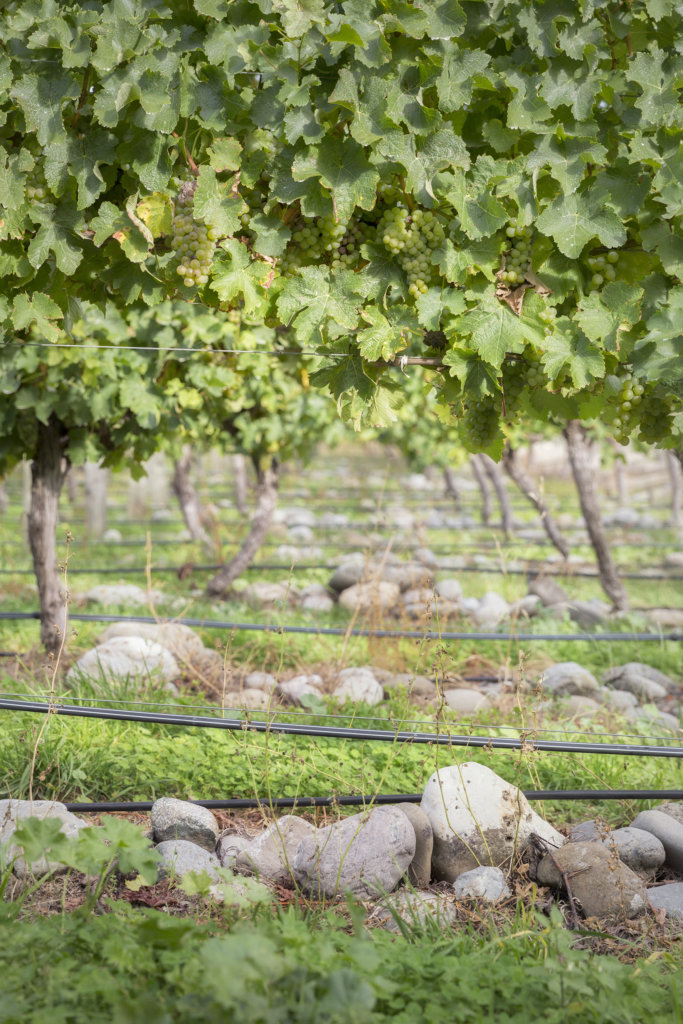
(304, 128)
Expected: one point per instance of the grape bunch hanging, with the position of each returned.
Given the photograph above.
(518, 256)
(412, 238)
(603, 268)
(193, 242)
(36, 182)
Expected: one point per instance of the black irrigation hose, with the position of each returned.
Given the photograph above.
(410, 634)
(375, 798)
(301, 566)
(337, 731)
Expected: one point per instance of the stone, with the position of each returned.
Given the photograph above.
(180, 819)
(358, 685)
(617, 700)
(243, 893)
(669, 898)
(417, 686)
(126, 657)
(416, 908)
(490, 611)
(548, 591)
(268, 594)
(640, 850)
(449, 590)
(271, 854)
(423, 596)
(228, 847)
(300, 686)
(249, 699)
(588, 614)
(483, 883)
(12, 812)
(668, 831)
(605, 888)
(301, 534)
(666, 618)
(644, 689)
(350, 572)
(427, 557)
(317, 603)
(658, 721)
(179, 639)
(365, 597)
(636, 673)
(466, 701)
(674, 808)
(525, 607)
(420, 870)
(408, 575)
(587, 831)
(108, 594)
(478, 818)
(674, 559)
(568, 677)
(179, 857)
(578, 705)
(260, 681)
(112, 536)
(365, 854)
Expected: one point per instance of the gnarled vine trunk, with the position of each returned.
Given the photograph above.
(239, 469)
(579, 458)
(526, 486)
(676, 477)
(48, 471)
(452, 489)
(496, 477)
(188, 499)
(267, 480)
(480, 477)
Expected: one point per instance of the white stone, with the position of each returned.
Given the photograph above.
(266, 594)
(358, 685)
(260, 681)
(271, 854)
(490, 611)
(179, 639)
(112, 536)
(449, 589)
(181, 819)
(300, 686)
(478, 818)
(126, 657)
(365, 597)
(14, 812)
(484, 883)
(317, 603)
(179, 857)
(466, 701)
(108, 594)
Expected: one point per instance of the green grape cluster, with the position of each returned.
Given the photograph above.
(36, 182)
(655, 419)
(480, 423)
(627, 408)
(411, 238)
(312, 241)
(603, 267)
(517, 257)
(347, 254)
(194, 243)
(513, 381)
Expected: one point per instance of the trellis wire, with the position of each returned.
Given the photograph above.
(411, 634)
(339, 732)
(356, 718)
(364, 800)
(301, 566)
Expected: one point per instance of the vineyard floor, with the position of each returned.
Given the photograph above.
(147, 950)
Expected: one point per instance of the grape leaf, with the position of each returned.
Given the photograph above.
(344, 169)
(38, 309)
(216, 203)
(240, 276)
(314, 296)
(603, 316)
(574, 220)
(567, 348)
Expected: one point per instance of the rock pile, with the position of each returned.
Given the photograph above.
(468, 834)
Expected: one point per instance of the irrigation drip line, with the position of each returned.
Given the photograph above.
(410, 634)
(357, 718)
(339, 732)
(302, 566)
(374, 798)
